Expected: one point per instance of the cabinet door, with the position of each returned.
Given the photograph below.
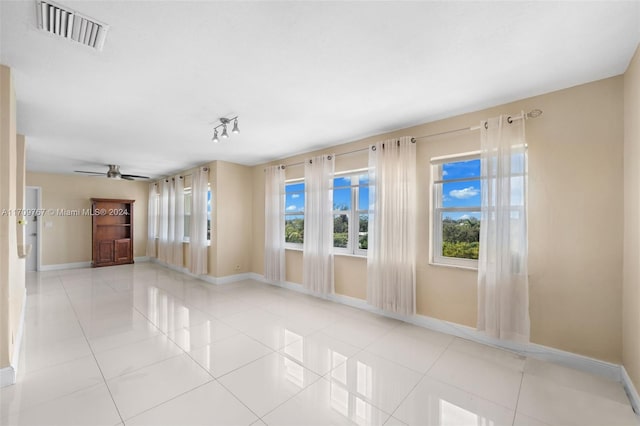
(105, 251)
(123, 250)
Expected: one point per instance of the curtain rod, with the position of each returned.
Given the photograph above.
(531, 114)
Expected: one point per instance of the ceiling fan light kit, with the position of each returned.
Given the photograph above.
(224, 122)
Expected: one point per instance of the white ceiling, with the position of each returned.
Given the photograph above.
(301, 75)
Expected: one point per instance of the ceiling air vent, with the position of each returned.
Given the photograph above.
(70, 24)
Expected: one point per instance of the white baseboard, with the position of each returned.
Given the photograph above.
(631, 391)
(601, 368)
(60, 266)
(8, 374)
(79, 265)
(207, 278)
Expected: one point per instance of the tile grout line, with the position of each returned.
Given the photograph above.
(93, 355)
(515, 410)
(423, 375)
(169, 400)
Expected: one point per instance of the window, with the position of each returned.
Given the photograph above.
(351, 213)
(294, 214)
(456, 213)
(187, 212)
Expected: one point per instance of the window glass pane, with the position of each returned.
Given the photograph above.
(342, 199)
(461, 169)
(363, 179)
(340, 230)
(460, 234)
(294, 228)
(187, 225)
(294, 197)
(363, 198)
(461, 194)
(517, 163)
(187, 212)
(517, 191)
(363, 232)
(294, 187)
(342, 181)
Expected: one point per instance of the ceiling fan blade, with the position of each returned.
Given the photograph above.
(126, 177)
(135, 176)
(91, 173)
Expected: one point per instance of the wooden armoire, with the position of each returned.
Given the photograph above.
(112, 239)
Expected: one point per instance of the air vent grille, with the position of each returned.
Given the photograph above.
(72, 25)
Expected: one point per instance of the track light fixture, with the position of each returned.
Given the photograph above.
(223, 123)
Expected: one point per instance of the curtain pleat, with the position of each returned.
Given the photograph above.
(274, 223)
(198, 243)
(317, 274)
(152, 218)
(178, 223)
(503, 287)
(164, 244)
(391, 269)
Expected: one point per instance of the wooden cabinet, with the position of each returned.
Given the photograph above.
(112, 231)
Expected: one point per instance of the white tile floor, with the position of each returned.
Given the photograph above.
(142, 345)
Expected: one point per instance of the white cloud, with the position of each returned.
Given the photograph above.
(292, 208)
(444, 173)
(465, 193)
(295, 195)
(465, 216)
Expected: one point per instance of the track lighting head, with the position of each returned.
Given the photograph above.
(223, 123)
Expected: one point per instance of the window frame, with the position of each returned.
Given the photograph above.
(437, 184)
(285, 213)
(353, 214)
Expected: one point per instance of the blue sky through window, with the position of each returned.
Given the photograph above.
(294, 194)
(294, 197)
(461, 194)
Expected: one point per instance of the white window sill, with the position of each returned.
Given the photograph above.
(359, 256)
(448, 265)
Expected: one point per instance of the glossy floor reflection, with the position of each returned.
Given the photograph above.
(143, 345)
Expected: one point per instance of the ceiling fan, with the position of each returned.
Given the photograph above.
(114, 173)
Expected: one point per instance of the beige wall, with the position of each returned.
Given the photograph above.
(68, 239)
(631, 270)
(12, 268)
(575, 220)
(233, 206)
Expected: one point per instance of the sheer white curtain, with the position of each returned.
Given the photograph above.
(152, 219)
(391, 256)
(274, 223)
(198, 243)
(178, 221)
(317, 274)
(503, 293)
(164, 242)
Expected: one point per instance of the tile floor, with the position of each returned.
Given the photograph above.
(143, 345)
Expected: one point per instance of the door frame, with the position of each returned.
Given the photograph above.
(40, 213)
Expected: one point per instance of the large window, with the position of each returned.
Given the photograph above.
(351, 213)
(294, 213)
(456, 213)
(187, 212)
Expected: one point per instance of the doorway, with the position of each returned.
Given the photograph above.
(32, 230)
